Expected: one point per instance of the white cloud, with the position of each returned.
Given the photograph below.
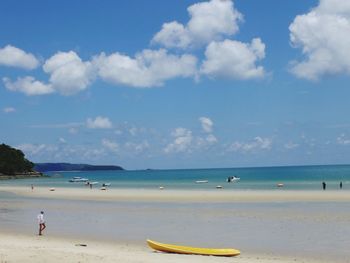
(343, 140)
(112, 146)
(99, 123)
(181, 143)
(28, 85)
(62, 140)
(32, 149)
(9, 109)
(207, 124)
(257, 144)
(15, 57)
(210, 139)
(291, 145)
(234, 59)
(68, 73)
(148, 69)
(208, 21)
(323, 34)
(137, 148)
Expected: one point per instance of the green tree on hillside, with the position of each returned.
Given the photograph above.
(12, 161)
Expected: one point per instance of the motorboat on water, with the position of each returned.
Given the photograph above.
(202, 181)
(78, 179)
(106, 184)
(233, 179)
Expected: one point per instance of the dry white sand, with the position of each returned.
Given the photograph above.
(181, 195)
(20, 248)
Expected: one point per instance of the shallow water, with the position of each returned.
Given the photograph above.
(293, 178)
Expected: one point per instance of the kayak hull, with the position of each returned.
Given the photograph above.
(225, 252)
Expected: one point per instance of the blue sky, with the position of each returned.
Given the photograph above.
(176, 84)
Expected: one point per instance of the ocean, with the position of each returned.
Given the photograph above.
(262, 178)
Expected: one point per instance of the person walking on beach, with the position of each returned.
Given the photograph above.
(41, 222)
(324, 185)
(32, 186)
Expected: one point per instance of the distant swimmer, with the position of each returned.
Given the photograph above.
(324, 185)
(41, 222)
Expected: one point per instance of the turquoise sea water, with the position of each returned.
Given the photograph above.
(293, 178)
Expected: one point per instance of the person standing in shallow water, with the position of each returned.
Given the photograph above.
(341, 185)
(41, 222)
(324, 185)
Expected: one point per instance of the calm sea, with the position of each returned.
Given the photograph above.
(293, 178)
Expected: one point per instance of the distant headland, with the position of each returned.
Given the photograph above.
(50, 167)
(14, 165)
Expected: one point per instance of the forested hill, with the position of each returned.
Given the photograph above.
(47, 167)
(13, 162)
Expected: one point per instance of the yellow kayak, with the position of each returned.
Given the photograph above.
(228, 252)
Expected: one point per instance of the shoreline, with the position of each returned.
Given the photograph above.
(196, 196)
(22, 176)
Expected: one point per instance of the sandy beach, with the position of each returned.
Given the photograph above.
(165, 195)
(49, 249)
(267, 226)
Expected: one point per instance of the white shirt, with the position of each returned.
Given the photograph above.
(41, 219)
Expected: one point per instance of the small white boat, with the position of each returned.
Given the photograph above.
(103, 188)
(106, 184)
(161, 187)
(78, 180)
(219, 187)
(280, 185)
(233, 179)
(201, 181)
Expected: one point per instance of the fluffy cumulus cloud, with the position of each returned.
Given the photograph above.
(208, 21)
(258, 143)
(68, 73)
(29, 86)
(99, 123)
(209, 26)
(207, 124)
(147, 69)
(234, 59)
(323, 34)
(182, 141)
(14, 57)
